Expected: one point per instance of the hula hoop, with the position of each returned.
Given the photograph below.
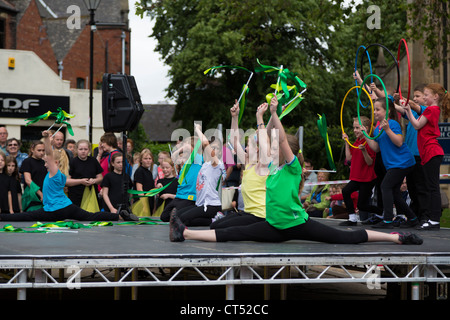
(356, 68)
(393, 57)
(409, 68)
(342, 108)
(387, 105)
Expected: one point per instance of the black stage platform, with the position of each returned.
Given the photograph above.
(145, 247)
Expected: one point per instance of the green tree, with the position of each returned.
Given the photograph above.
(315, 39)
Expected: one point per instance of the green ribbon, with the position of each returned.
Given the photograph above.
(10, 228)
(149, 193)
(243, 101)
(291, 105)
(189, 162)
(322, 125)
(60, 116)
(60, 224)
(282, 89)
(213, 69)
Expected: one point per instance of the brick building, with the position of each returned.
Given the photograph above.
(49, 41)
(58, 32)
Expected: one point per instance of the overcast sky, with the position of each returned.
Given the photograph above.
(146, 65)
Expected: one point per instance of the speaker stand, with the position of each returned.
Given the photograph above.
(124, 209)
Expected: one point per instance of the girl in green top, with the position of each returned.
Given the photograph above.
(285, 217)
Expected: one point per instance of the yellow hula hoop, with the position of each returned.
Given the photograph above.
(342, 108)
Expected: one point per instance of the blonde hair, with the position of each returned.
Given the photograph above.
(145, 152)
(84, 141)
(170, 162)
(63, 160)
(365, 121)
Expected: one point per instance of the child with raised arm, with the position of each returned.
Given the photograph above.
(208, 202)
(285, 217)
(416, 188)
(431, 152)
(398, 161)
(57, 206)
(254, 175)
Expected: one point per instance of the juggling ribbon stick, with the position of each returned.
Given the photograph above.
(245, 89)
(61, 118)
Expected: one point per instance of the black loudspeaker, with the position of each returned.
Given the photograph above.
(121, 103)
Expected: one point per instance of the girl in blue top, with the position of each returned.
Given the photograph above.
(57, 206)
(398, 161)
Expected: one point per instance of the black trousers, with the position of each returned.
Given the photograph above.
(311, 230)
(197, 215)
(70, 212)
(390, 187)
(431, 171)
(364, 196)
(417, 190)
(178, 204)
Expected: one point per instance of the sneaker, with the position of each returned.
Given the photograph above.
(218, 216)
(410, 223)
(348, 223)
(429, 226)
(383, 225)
(398, 220)
(408, 238)
(128, 215)
(176, 228)
(372, 220)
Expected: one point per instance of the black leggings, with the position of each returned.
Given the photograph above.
(70, 212)
(390, 187)
(311, 230)
(365, 194)
(178, 204)
(232, 219)
(197, 215)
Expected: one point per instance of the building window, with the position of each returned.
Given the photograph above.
(81, 83)
(2, 33)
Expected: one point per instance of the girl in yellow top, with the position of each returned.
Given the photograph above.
(254, 177)
(285, 217)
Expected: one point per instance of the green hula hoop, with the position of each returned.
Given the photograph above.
(387, 104)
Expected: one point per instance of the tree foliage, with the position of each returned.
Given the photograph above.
(317, 39)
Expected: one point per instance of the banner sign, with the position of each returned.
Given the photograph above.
(13, 105)
(444, 141)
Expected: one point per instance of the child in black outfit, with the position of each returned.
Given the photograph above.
(85, 171)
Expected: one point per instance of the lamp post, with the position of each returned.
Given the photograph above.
(91, 5)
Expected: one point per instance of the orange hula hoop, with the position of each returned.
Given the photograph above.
(342, 108)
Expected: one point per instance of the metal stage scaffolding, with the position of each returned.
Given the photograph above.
(57, 260)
